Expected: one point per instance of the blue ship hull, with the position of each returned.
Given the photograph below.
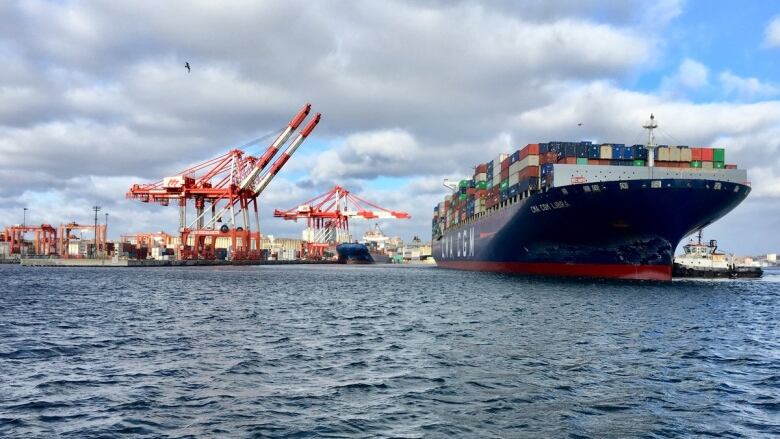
(353, 254)
(614, 231)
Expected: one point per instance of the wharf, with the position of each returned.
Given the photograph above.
(150, 263)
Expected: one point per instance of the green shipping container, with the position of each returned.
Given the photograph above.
(464, 183)
(718, 165)
(482, 185)
(696, 164)
(719, 155)
(463, 196)
(639, 162)
(582, 161)
(504, 185)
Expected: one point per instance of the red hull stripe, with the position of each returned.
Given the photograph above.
(612, 271)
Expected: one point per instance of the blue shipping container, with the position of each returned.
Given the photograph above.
(547, 168)
(594, 151)
(628, 153)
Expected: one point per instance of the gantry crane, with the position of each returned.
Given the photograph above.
(328, 215)
(98, 230)
(223, 190)
(45, 243)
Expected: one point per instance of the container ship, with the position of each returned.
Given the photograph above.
(585, 209)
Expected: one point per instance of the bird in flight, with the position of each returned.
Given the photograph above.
(187, 65)
(579, 124)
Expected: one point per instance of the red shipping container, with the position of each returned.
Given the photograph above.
(528, 171)
(480, 169)
(504, 174)
(696, 154)
(707, 154)
(593, 161)
(731, 166)
(568, 160)
(504, 165)
(530, 149)
(471, 191)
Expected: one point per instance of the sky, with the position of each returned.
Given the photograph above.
(94, 97)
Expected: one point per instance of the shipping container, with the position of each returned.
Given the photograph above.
(707, 165)
(696, 154)
(594, 162)
(582, 161)
(582, 150)
(696, 163)
(639, 162)
(718, 155)
(606, 152)
(530, 149)
(685, 154)
(480, 169)
(531, 160)
(662, 154)
(594, 151)
(617, 152)
(504, 174)
(568, 160)
(707, 155)
(674, 154)
(628, 153)
(482, 176)
(718, 165)
(731, 166)
(504, 185)
(515, 157)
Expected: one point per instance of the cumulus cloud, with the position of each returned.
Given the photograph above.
(746, 89)
(95, 96)
(772, 33)
(690, 76)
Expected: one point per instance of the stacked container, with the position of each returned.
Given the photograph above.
(531, 168)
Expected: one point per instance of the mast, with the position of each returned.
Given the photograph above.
(650, 126)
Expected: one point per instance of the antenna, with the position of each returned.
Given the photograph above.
(650, 126)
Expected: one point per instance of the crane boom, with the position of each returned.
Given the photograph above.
(269, 153)
(263, 182)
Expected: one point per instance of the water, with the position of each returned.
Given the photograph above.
(320, 351)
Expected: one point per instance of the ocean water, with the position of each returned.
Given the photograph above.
(382, 351)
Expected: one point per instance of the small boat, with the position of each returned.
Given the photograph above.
(701, 260)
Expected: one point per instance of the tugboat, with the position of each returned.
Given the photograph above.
(705, 261)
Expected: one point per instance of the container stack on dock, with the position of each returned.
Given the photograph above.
(530, 169)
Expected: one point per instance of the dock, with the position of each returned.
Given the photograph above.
(38, 262)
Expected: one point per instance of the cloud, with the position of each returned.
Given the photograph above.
(772, 33)
(746, 89)
(690, 76)
(95, 96)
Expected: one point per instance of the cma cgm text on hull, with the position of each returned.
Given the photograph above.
(580, 209)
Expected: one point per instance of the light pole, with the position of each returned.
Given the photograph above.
(97, 248)
(24, 226)
(105, 236)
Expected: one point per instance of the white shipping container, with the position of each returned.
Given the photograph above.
(674, 154)
(530, 160)
(706, 165)
(686, 155)
(515, 167)
(514, 178)
(606, 152)
(662, 154)
(480, 177)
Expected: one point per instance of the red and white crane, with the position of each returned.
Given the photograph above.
(224, 190)
(328, 215)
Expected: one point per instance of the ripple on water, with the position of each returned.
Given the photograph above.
(382, 351)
